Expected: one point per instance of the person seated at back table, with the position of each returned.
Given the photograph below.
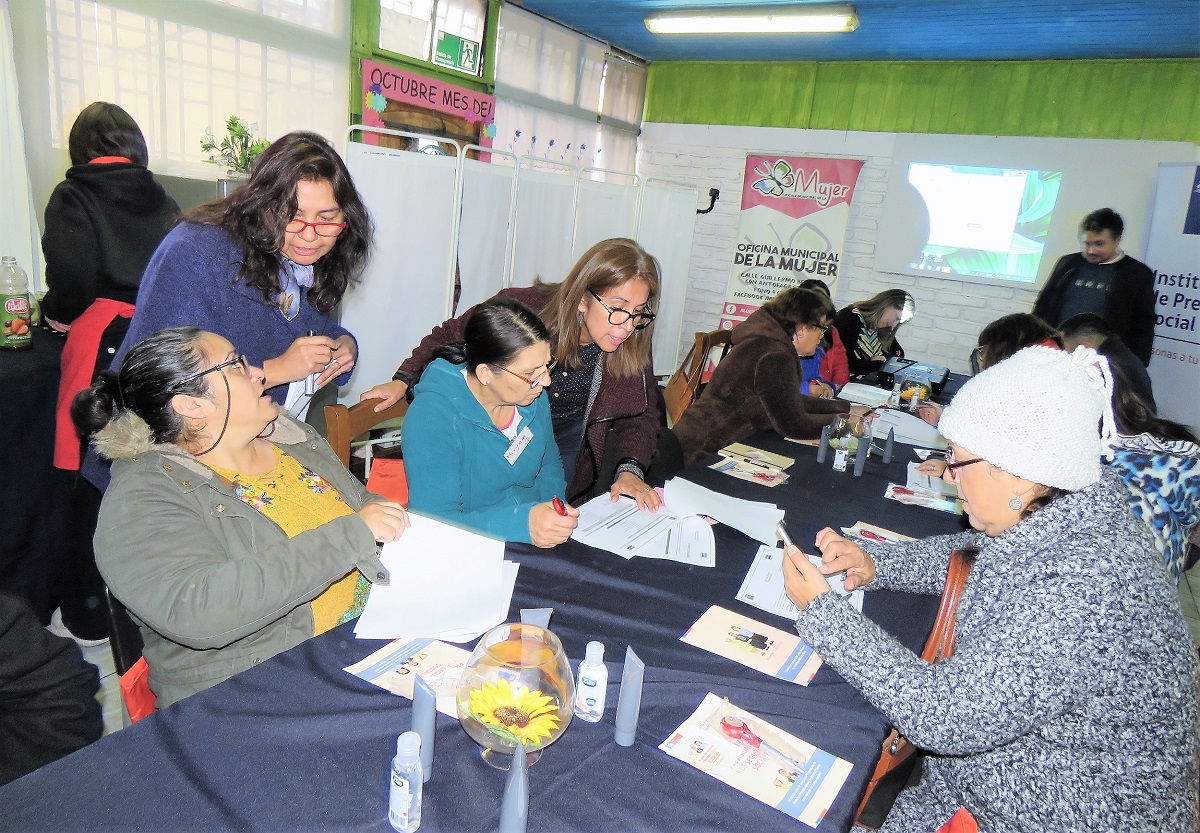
(756, 387)
(997, 341)
(868, 329)
(478, 442)
(1070, 701)
(833, 366)
(230, 531)
(1091, 330)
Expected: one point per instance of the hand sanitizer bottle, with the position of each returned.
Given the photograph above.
(404, 795)
(592, 685)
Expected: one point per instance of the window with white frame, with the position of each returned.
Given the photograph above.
(187, 66)
(447, 33)
(563, 96)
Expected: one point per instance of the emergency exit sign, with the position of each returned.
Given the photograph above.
(457, 53)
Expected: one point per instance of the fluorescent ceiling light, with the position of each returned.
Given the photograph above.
(768, 21)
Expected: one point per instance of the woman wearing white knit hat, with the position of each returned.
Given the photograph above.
(1070, 702)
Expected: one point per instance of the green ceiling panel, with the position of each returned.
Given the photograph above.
(1121, 99)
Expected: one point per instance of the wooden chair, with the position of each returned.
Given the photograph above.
(688, 381)
(897, 750)
(343, 425)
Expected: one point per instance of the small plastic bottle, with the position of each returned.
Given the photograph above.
(592, 685)
(15, 320)
(893, 400)
(404, 795)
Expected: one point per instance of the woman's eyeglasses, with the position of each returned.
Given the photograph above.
(641, 320)
(323, 228)
(952, 465)
(240, 360)
(536, 380)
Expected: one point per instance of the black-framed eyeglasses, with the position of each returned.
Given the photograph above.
(238, 359)
(323, 228)
(952, 465)
(536, 380)
(641, 320)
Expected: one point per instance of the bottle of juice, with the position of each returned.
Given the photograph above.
(15, 324)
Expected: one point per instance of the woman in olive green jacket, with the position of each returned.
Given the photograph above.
(228, 526)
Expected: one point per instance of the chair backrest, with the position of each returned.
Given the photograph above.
(124, 637)
(940, 645)
(686, 384)
(344, 424)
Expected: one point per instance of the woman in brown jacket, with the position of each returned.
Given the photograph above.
(756, 387)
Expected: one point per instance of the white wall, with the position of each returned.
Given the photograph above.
(950, 313)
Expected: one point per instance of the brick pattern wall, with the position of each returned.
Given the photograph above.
(950, 313)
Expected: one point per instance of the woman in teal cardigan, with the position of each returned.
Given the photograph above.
(478, 443)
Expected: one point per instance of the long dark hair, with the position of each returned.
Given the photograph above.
(1134, 416)
(158, 368)
(496, 331)
(257, 213)
(104, 129)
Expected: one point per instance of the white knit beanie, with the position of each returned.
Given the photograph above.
(1043, 414)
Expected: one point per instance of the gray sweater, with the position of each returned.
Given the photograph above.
(1070, 703)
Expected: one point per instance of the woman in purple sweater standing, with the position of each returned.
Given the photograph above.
(265, 267)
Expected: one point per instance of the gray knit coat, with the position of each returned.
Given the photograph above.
(1070, 703)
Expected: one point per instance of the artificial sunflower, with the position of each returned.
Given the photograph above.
(515, 713)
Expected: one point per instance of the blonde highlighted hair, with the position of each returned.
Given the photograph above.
(607, 265)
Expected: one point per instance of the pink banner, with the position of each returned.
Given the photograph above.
(382, 83)
(799, 185)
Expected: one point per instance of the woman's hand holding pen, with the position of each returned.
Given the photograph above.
(304, 356)
(341, 360)
(552, 522)
(841, 555)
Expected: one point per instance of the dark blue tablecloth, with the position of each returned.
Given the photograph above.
(33, 493)
(298, 744)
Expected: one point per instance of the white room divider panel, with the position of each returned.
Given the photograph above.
(485, 228)
(665, 227)
(544, 224)
(604, 210)
(408, 285)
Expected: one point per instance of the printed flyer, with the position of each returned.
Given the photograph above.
(753, 756)
(394, 666)
(774, 652)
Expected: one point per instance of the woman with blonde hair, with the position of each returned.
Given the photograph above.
(603, 382)
(868, 329)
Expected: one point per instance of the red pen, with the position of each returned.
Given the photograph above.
(871, 536)
(559, 506)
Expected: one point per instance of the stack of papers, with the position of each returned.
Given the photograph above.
(861, 394)
(447, 583)
(909, 429)
(623, 529)
(678, 531)
(762, 761)
(749, 463)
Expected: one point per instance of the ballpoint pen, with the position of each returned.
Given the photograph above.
(559, 506)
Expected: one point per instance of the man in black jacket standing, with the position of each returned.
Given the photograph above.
(1102, 279)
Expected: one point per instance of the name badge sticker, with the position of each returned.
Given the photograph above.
(518, 445)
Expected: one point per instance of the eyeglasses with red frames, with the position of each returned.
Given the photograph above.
(641, 320)
(536, 380)
(952, 465)
(323, 228)
(239, 359)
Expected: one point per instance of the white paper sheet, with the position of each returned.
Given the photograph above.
(620, 527)
(753, 518)
(763, 585)
(444, 580)
(917, 479)
(909, 429)
(689, 541)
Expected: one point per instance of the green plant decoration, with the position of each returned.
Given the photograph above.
(237, 149)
